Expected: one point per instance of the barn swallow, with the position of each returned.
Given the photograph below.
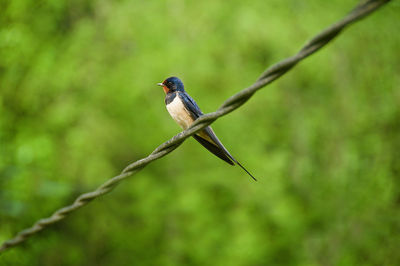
(185, 111)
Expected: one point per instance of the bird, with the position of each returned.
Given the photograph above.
(184, 110)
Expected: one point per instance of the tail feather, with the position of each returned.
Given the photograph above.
(241, 166)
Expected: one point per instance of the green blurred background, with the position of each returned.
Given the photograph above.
(78, 102)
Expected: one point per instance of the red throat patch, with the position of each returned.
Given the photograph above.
(166, 90)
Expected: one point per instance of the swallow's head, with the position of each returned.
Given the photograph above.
(172, 84)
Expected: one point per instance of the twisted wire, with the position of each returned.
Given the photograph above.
(232, 103)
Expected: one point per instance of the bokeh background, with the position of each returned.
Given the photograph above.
(78, 102)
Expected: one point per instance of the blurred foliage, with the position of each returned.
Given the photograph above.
(78, 102)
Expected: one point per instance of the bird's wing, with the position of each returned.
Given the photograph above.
(213, 149)
(191, 105)
(207, 133)
(206, 137)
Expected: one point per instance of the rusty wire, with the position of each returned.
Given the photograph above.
(234, 102)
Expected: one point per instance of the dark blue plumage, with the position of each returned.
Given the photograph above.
(184, 110)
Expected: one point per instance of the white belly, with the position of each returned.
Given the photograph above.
(179, 113)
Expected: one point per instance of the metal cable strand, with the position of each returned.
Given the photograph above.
(228, 106)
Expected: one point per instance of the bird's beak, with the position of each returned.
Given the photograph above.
(161, 84)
